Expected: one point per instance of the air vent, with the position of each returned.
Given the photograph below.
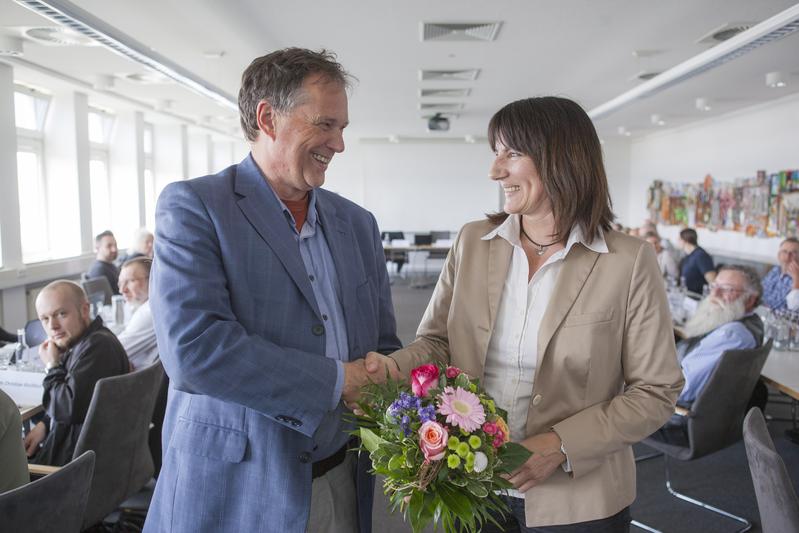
(444, 93)
(441, 106)
(58, 36)
(724, 32)
(449, 75)
(470, 31)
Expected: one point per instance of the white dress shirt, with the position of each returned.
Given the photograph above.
(792, 300)
(138, 338)
(512, 351)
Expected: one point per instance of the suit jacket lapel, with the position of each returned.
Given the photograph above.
(262, 210)
(577, 266)
(340, 242)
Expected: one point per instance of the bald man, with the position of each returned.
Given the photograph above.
(77, 353)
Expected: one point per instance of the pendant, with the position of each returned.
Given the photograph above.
(540, 251)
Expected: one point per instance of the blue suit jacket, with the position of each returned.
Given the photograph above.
(240, 337)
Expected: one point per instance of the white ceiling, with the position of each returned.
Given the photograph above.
(582, 49)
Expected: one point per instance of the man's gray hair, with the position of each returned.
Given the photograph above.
(753, 285)
(278, 77)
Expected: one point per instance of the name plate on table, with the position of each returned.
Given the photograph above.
(25, 388)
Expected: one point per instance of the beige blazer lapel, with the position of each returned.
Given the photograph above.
(577, 266)
(500, 252)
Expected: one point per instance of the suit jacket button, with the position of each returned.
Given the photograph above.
(537, 399)
(318, 330)
(280, 418)
(305, 457)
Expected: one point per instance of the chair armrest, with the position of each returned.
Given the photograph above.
(682, 411)
(42, 470)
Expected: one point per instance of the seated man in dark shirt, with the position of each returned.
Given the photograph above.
(105, 245)
(697, 266)
(77, 353)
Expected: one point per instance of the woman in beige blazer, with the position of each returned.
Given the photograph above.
(565, 322)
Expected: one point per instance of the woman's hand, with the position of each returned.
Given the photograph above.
(546, 459)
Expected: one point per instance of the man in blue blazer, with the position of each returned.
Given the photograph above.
(266, 293)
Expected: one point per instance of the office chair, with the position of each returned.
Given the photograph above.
(440, 235)
(399, 258)
(98, 288)
(715, 418)
(776, 497)
(55, 502)
(116, 429)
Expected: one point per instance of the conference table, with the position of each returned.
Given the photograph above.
(782, 372)
(437, 250)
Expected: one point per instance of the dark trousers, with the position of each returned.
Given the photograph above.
(514, 523)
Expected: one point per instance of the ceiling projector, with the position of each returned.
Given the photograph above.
(438, 123)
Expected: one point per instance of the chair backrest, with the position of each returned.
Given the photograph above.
(719, 408)
(392, 235)
(440, 235)
(34, 332)
(421, 239)
(776, 497)
(95, 287)
(116, 428)
(55, 502)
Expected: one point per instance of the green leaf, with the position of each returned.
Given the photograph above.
(462, 381)
(371, 441)
(513, 455)
(478, 489)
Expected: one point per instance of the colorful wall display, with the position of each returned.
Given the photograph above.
(762, 206)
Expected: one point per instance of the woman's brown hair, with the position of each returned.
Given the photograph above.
(562, 142)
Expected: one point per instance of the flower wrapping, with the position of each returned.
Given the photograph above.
(441, 445)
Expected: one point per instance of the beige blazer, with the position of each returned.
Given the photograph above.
(607, 374)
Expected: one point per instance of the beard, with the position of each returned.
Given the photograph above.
(712, 313)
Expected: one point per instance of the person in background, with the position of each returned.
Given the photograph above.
(667, 264)
(6, 337)
(564, 322)
(13, 464)
(105, 245)
(697, 265)
(783, 279)
(724, 320)
(138, 337)
(77, 353)
(142, 246)
(267, 292)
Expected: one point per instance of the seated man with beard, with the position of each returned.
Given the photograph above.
(723, 321)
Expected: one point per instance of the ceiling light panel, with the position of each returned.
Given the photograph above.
(444, 93)
(724, 32)
(453, 31)
(449, 75)
(442, 106)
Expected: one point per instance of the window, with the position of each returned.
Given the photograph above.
(100, 125)
(100, 193)
(150, 193)
(30, 111)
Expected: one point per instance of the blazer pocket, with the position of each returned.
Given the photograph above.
(208, 440)
(586, 319)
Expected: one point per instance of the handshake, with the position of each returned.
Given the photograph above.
(371, 369)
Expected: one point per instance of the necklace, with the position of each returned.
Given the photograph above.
(542, 248)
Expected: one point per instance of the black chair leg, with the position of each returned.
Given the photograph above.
(747, 525)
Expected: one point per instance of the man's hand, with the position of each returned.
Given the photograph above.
(49, 352)
(34, 437)
(371, 369)
(379, 366)
(793, 271)
(545, 460)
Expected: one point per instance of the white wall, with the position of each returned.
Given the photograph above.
(417, 187)
(736, 145)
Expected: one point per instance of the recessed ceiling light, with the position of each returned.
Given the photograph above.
(147, 78)
(214, 54)
(703, 104)
(444, 93)
(449, 75)
(449, 31)
(775, 80)
(11, 46)
(449, 106)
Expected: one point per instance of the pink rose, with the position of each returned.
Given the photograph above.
(490, 428)
(452, 372)
(423, 378)
(433, 440)
(499, 439)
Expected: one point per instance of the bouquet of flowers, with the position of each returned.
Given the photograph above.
(442, 445)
